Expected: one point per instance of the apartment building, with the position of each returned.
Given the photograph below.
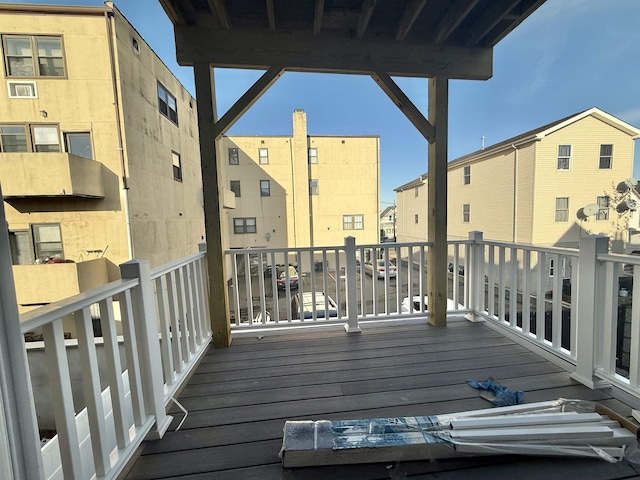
(534, 187)
(301, 190)
(99, 151)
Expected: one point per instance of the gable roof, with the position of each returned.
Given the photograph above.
(386, 211)
(535, 135)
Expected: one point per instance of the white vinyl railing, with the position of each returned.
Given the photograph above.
(165, 329)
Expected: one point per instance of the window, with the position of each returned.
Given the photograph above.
(167, 104)
(606, 156)
(235, 187)
(263, 155)
(603, 208)
(79, 144)
(244, 225)
(313, 155)
(562, 209)
(13, 138)
(45, 138)
(415, 218)
(20, 61)
(47, 241)
(233, 156)
(20, 246)
(564, 157)
(177, 166)
(416, 192)
(265, 188)
(353, 222)
(466, 212)
(22, 89)
(466, 175)
(563, 267)
(313, 187)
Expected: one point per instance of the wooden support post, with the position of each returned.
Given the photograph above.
(437, 201)
(218, 290)
(351, 282)
(19, 439)
(146, 328)
(589, 298)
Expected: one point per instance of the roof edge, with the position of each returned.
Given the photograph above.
(53, 9)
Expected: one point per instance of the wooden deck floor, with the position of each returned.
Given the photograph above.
(239, 398)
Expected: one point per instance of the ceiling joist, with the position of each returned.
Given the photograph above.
(271, 16)
(365, 15)
(317, 17)
(174, 12)
(223, 17)
(409, 16)
(496, 11)
(456, 14)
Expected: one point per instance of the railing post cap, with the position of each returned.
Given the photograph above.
(475, 235)
(133, 268)
(202, 246)
(349, 240)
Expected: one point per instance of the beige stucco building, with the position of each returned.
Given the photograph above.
(301, 190)
(531, 188)
(99, 158)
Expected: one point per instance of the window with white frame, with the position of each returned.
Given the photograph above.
(33, 56)
(233, 156)
(22, 89)
(235, 187)
(466, 212)
(562, 209)
(313, 155)
(177, 166)
(564, 157)
(313, 187)
(244, 225)
(353, 222)
(47, 241)
(167, 104)
(265, 188)
(563, 267)
(606, 157)
(263, 155)
(466, 175)
(603, 208)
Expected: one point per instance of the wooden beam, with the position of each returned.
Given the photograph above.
(365, 16)
(174, 14)
(496, 11)
(527, 7)
(437, 277)
(456, 14)
(245, 102)
(411, 12)
(214, 222)
(221, 11)
(317, 18)
(271, 16)
(302, 51)
(397, 96)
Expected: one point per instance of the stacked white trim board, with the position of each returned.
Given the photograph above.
(560, 427)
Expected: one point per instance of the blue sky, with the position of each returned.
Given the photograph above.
(568, 56)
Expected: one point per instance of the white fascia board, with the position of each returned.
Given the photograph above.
(600, 115)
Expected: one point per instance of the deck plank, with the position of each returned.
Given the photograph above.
(239, 398)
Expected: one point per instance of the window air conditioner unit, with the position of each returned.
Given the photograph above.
(22, 89)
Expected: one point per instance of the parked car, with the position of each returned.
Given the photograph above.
(380, 268)
(287, 276)
(413, 306)
(460, 269)
(302, 305)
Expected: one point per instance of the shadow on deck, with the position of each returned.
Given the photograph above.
(239, 398)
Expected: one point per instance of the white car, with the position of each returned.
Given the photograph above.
(414, 305)
(380, 269)
(302, 305)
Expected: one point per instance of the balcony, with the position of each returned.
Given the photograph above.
(378, 357)
(28, 175)
(48, 283)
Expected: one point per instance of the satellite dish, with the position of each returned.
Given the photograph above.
(626, 185)
(628, 204)
(631, 203)
(590, 210)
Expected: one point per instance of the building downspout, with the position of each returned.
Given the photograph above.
(515, 192)
(125, 184)
(293, 197)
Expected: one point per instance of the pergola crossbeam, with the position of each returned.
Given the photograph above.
(218, 7)
(365, 16)
(496, 11)
(271, 16)
(317, 17)
(245, 102)
(458, 12)
(409, 16)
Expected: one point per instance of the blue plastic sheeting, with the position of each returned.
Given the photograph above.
(503, 396)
